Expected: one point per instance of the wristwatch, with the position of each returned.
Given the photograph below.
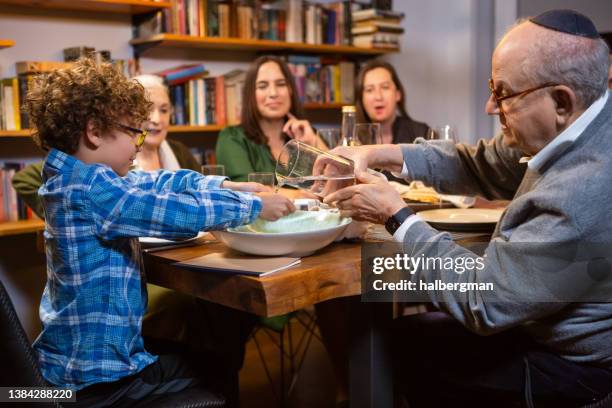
(394, 221)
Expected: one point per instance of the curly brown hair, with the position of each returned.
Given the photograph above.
(61, 103)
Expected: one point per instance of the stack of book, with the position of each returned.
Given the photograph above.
(321, 80)
(374, 28)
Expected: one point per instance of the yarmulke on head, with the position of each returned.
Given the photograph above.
(567, 21)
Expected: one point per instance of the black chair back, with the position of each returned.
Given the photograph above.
(19, 362)
(19, 366)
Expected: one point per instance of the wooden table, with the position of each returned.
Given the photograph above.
(332, 272)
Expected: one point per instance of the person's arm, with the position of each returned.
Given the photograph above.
(489, 169)
(531, 278)
(233, 153)
(162, 181)
(27, 182)
(174, 209)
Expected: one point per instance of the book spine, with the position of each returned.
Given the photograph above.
(16, 103)
(24, 81)
(210, 101)
(199, 69)
(202, 113)
(3, 212)
(221, 117)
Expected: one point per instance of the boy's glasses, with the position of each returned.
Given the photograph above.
(141, 134)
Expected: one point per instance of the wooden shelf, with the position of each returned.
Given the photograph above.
(238, 44)
(15, 133)
(194, 129)
(322, 106)
(172, 129)
(6, 43)
(109, 6)
(21, 227)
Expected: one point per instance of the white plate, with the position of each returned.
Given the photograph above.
(463, 219)
(285, 244)
(152, 241)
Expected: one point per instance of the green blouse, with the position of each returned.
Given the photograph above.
(241, 155)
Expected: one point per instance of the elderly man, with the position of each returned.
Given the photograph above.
(549, 90)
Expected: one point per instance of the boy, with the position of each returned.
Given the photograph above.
(95, 209)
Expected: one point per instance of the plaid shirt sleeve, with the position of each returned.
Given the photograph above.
(165, 181)
(166, 204)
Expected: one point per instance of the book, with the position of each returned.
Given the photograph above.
(148, 24)
(236, 263)
(221, 116)
(373, 13)
(234, 82)
(378, 26)
(389, 40)
(38, 67)
(181, 74)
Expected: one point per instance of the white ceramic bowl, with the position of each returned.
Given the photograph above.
(282, 243)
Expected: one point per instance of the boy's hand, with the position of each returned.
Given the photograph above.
(275, 206)
(248, 187)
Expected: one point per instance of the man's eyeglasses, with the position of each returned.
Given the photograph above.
(141, 134)
(500, 99)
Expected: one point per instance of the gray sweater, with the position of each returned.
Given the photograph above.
(568, 202)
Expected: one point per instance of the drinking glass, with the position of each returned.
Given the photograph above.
(367, 133)
(331, 136)
(267, 179)
(308, 168)
(446, 132)
(213, 170)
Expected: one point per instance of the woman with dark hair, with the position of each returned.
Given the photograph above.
(269, 118)
(380, 98)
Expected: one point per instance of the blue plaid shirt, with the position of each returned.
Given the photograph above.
(95, 298)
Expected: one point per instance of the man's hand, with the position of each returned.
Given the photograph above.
(387, 157)
(249, 187)
(275, 206)
(374, 200)
(301, 130)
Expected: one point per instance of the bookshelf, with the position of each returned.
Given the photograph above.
(6, 43)
(166, 43)
(14, 133)
(323, 106)
(108, 6)
(142, 45)
(21, 227)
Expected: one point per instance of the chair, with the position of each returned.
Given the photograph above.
(276, 329)
(20, 366)
(603, 403)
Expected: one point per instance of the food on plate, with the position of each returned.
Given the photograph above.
(417, 191)
(299, 221)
